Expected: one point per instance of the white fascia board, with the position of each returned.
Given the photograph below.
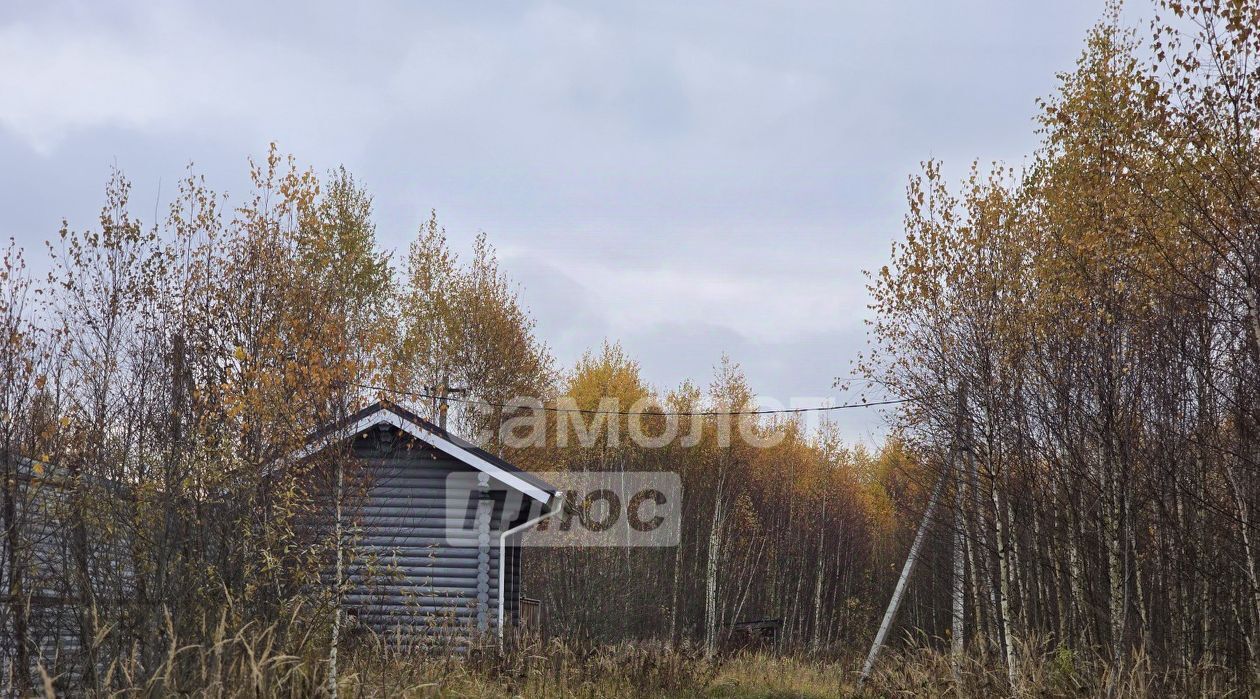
(387, 416)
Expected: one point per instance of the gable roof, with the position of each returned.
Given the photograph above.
(383, 412)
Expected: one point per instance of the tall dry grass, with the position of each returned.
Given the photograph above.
(1044, 670)
(272, 661)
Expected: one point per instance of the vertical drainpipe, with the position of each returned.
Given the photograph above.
(557, 502)
(484, 507)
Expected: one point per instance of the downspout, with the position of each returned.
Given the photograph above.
(557, 502)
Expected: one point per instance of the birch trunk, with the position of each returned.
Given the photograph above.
(1244, 526)
(1004, 592)
(958, 628)
(711, 574)
(958, 631)
(338, 575)
(816, 640)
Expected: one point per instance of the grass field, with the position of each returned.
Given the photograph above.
(249, 664)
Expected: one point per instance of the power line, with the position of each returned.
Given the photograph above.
(680, 413)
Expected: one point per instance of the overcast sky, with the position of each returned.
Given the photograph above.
(688, 178)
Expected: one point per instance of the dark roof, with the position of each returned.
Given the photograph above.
(465, 445)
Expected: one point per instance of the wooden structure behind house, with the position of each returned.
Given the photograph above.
(761, 634)
(56, 566)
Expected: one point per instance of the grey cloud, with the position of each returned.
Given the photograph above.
(748, 153)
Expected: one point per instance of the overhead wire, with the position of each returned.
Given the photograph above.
(599, 411)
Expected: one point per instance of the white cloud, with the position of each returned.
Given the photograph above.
(170, 71)
(756, 301)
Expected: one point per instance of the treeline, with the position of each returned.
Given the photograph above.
(785, 525)
(1083, 336)
(154, 375)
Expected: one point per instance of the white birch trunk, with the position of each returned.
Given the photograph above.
(816, 640)
(338, 575)
(711, 574)
(958, 630)
(1004, 589)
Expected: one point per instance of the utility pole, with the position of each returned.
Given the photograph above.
(906, 570)
(445, 391)
(913, 558)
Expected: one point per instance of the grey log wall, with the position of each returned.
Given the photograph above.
(423, 560)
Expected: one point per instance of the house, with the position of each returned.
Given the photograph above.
(40, 560)
(431, 525)
(431, 532)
